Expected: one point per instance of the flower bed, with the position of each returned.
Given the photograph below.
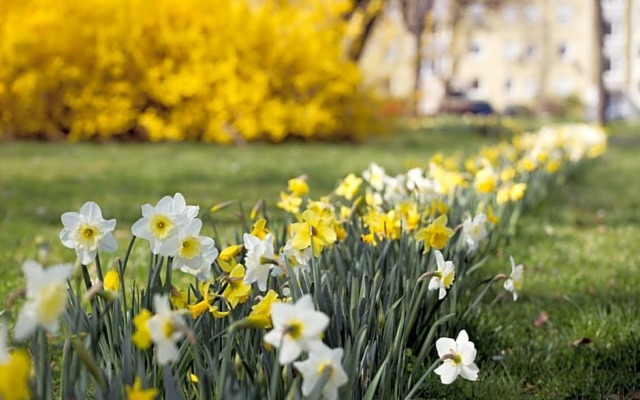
(345, 301)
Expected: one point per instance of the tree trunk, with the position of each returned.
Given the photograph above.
(602, 92)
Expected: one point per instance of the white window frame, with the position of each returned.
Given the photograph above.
(564, 14)
(532, 13)
(509, 14)
(511, 51)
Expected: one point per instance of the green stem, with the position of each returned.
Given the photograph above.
(99, 268)
(422, 378)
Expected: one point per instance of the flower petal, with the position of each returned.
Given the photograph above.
(448, 373)
(469, 372)
(444, 346)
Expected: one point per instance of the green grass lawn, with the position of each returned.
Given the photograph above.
(579, 247)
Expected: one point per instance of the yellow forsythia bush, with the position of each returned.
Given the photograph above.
(213, 70)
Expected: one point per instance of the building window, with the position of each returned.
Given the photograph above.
(563, 86)
(509, 14)
(563, 14)
(476, 12)
(511, 51)
(531, 50)
(563, 51)
(475, 89)
(606, 64)
(532, 14)
(531, 88)
(475, 49)
(508, 85)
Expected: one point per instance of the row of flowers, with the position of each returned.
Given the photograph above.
(343, 287)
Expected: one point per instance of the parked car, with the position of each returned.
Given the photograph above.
(459, 104)
(480, 108)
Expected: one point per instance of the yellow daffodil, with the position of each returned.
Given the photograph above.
(227, 257)
(259, 229)
(112, 281)
(485, 181)
(178, 298)
(136, 392)
(237, 291)
(436, 234)
(517, 191)
(349, 186)
(289, 202)
(205, 304)
(15, 369)
(142, 336)
(298, 186)
(260, 316)
(314, 231)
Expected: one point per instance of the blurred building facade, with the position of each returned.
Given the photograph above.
(535, 54)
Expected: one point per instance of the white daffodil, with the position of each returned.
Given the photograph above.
(179, 207)
(46, 298)
(87, 232)
(296, 327)
(375, 175)
(164, 329)
(259, 260)
(457, 358)
(514, 282)
(442, 279)
(298, 259)
(160, 224)
(323, 360)
(474, 230)
(193, 253)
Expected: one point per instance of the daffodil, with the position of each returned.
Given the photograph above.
(314, 232)
(46, 298)
(178, 298)
(193, 253)
(349, 186)
(260, 259)
(227, 257)
(165, 328)
(289, 202)
(323, 360)
(517, 191)
(374, 176)
(297, 259)
(486, 180)
(514, 282)
(457, 358)
(15, 369)
(160, 224)
(142, 336)
(443, 277)
(474, 230)
(260, 315)
(296, 328)
(111, 281)
(87, 232)
(237, 291)
(298, 186)
(259, 229)
(205, 305)
(436, 234)
(136, 392)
